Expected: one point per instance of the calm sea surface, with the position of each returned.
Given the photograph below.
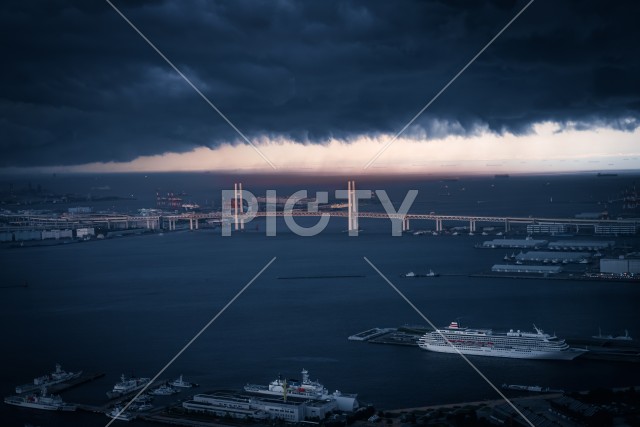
(127, 305)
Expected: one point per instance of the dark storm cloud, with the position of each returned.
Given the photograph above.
(79, 85)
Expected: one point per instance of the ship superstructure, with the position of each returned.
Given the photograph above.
(307, 389)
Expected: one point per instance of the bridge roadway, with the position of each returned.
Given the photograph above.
(13, 222)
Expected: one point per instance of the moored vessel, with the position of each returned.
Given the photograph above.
(40, 401)
(306, 389)
(624, 337)
(126, 386)
(485, 342)
(55, 377)
(531, 388)
(164, 390)
(118, 414)
(180, 382)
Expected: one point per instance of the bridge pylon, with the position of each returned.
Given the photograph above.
(352, 206)
(238, 218)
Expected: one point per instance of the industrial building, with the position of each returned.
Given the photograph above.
(555, 257)
(85, 232)
(581, 245)
(242, 406)
(221, 404)
(535, 269)
(620, 266)
(22, 235)
(56, 234)
(80, 210)
(546, 228)
(514, 243)
(615, 229)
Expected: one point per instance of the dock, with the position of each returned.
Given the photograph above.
(180, 421)
(597, 350)
(82, 379)
(343, 276)
(370, 333)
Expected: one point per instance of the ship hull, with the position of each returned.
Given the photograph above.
(345, 402)
(569, 354)
(31, 387)
(115, 393)
(41, 406)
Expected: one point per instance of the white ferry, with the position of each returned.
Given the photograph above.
(484, 342)
(126, 386)
(54, 377)
(42, 401)
(306, 389)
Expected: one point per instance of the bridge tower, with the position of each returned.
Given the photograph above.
(237, 206)
(352, 206)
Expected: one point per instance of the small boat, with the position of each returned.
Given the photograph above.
(143, 398)
(118, 414)
(164, 390)
(144, 407)
(431, 274)
(624, 337)
(506, 257)
(180, 382)
(411, 274)
(584, 261)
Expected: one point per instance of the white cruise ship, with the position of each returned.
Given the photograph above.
(306, 389)
(484, 342)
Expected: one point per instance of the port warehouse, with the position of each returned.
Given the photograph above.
(537, 269)
(556, 228)
(238, 405)
(24, 235)
(620, 266)
(536, 256)
(580, 245)
(514, 243)
(562, 245)
(563, 411)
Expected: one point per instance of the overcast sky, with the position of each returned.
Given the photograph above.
(82, 90)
